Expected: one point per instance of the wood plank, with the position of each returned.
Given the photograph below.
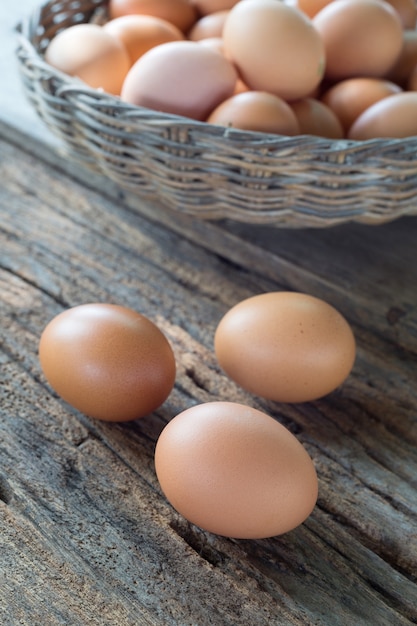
(87, 536)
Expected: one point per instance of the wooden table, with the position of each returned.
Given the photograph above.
(86, 536)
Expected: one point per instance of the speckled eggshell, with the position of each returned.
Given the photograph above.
(285, 346)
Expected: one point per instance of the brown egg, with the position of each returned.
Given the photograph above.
(181, 13)
(285, 346)
(257, 111)
(205, 7)
(208, 26)
(400, 72)
(107, 361)
(274, 47)
(412, 79)
(311, 7)
(140, 33)
(407, 12)
(181, 77)
(235, 471)
(316, 118)
(350, 97)
(92, 54)
(394, 117)
(361, 37)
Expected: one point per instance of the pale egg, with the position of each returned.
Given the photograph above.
(180, 77)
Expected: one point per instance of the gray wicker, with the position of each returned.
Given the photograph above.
(206, 170)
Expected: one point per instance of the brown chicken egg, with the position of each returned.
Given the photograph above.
(361, 37)
(180, 77)
(107, 361)
(316, 118)
(285, 346)
(394, 117)
(92, 54)
(400, 72)
(311, 7)
(407, 12)
(181, 13)
(256, 111)
(235, 471)
(275, 48)
(205, 7)
(140, 33)
(350, 97)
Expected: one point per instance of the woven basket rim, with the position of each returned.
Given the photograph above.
(208, 170)
(71, 83)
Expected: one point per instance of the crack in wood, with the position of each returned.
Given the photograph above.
(5, 491)
(197, 543)
(196, 378)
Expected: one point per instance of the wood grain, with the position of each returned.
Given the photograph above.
(86, 535)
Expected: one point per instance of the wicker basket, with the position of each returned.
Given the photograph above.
(209, 171)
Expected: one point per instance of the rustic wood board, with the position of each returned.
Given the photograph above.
(86, 536)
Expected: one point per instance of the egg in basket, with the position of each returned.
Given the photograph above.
(258, 111)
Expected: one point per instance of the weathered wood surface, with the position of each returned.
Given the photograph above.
(86, 536)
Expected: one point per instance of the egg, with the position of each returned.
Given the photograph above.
(256, 111)
(407, 12)
(180, 77)
(361, 37)
(92, 54)
(412, 79)
(205, 7)
(403, 67)
(285, 346)
(275, 48)
(215, 43)
(349, 98)
(392, 117)
(181, 13)
(316, 118)
(235, 471)
(140, 33)
(107, 361)
(208, 26)
(311, 7)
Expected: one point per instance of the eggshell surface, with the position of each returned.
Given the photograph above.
(316, 118)
(107, 361)
(235, 471)
(275, 48)
(361, 37)
(394, 117)
(181, 13)
(256, 111)
(180, 77)
(140, 33)
(349, 98)
(285, 346)
(90, 53)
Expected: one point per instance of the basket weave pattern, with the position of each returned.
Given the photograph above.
(206, 170)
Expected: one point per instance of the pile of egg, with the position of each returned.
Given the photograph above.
(332, 68)
(225, 466)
